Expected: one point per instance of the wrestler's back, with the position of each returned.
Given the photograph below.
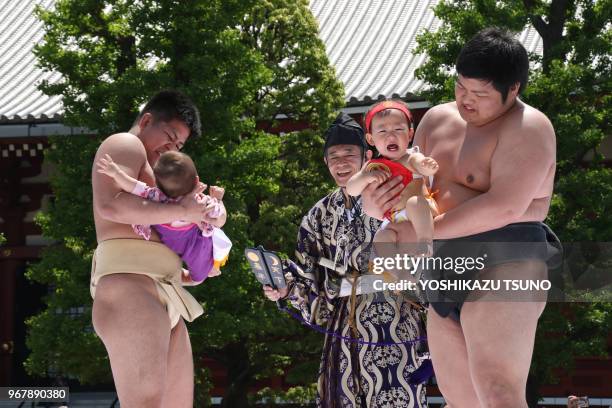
(466, 152)
(106, 229)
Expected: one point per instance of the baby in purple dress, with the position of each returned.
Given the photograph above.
(203, 247)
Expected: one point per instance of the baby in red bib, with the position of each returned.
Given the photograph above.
(389, 128)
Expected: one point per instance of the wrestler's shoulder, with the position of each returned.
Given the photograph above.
(443, 110)
(123, 138)
(530, 121)
(124, 142)
(440, 114)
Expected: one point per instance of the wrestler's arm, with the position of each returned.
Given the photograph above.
(113, 204)
(519, 166)
(537, 210)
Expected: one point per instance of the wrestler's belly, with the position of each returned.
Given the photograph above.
(449, 194)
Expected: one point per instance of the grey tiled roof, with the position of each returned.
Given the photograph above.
(369, 42)
(20, 100)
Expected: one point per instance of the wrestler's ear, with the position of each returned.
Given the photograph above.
(370, 139)
(514, 90)
(145, 120)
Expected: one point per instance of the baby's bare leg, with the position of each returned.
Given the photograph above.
(419, 214)
(385, 246)
(385, 243)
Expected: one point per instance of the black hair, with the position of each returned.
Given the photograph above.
(345, 130)
(494, 54)
(170, 104)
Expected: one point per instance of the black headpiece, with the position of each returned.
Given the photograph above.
(345, 130)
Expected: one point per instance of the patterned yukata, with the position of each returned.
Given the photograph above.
(354, 375)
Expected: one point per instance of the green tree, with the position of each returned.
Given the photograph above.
(245, 64)
(571, 84)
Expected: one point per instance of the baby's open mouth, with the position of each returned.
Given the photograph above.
(344, 173)
(392, 147)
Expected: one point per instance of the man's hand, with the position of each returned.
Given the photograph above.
(275, 294)
(378, 198)
(107, 166)
(193, 206)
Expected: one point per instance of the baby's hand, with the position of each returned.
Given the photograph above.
(379, 176)
(201, 197)
(107, 166)
(427, 166)
(217, 192)
(194, 204)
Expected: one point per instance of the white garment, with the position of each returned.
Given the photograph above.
(221, 244)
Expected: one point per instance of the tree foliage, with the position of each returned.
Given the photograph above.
(244, 63)
(571, 83)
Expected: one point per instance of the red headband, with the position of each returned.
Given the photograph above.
(384, 106)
